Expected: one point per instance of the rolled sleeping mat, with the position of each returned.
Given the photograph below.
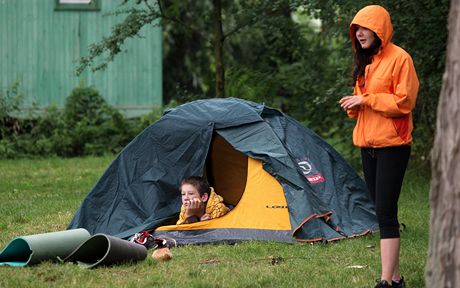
(106, 250)
(33, 249)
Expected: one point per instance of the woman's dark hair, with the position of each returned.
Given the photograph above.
(364, 57)
(199, 183)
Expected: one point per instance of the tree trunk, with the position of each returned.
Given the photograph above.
(218, 43)
(443, 267)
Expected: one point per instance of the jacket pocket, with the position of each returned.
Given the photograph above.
(401, 125)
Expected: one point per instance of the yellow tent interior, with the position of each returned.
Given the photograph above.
(258, 198)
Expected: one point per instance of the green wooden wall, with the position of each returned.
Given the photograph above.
(40, 46)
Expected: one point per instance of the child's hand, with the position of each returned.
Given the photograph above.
(194, 207)
(205, 217)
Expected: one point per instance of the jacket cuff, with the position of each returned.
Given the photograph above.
(366, 99)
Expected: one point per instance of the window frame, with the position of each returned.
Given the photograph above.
(94, 5)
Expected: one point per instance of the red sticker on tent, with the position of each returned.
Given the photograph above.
(317, 178)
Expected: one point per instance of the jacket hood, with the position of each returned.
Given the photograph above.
(375, 18)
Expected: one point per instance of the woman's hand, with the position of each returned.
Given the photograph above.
(351, 102)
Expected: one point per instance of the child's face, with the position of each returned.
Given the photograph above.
(189, 192)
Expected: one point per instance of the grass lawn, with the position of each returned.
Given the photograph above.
(38, 196)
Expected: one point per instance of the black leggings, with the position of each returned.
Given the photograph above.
(384, 170)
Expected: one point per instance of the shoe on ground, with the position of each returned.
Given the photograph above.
(165, 242)
(383, 284)
(400, 284)
(144, 238)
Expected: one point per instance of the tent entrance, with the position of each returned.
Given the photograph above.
(261, 214)
(226, 170)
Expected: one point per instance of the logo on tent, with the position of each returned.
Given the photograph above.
(309, 171)
(276, 206)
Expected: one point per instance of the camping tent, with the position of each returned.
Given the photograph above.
(284, 182)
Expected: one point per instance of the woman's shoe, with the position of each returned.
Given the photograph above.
(399, 284)
(383, 284)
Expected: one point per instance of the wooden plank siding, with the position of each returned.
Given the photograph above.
(40, 47)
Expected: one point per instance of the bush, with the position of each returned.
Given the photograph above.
(87, 125)
(10, 101)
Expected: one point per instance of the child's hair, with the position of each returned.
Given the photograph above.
(199, 183)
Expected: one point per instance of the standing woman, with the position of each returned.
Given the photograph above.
(385, 92)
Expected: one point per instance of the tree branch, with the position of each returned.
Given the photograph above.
(128, 28)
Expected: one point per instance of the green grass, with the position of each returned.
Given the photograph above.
(38, 196)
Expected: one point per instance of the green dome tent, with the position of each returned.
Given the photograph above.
(284, 182)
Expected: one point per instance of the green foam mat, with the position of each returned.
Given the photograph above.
(33, 249)
(105, 250)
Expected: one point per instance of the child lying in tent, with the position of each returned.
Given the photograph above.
(199, 201)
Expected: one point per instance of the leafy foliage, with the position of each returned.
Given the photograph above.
(10, 102)
(109, 47)
(86, 126)
(294, 55)
(287, 62)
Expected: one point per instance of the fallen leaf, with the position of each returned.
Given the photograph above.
(356, 266)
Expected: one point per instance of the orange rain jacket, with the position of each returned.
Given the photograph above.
(389, 87)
